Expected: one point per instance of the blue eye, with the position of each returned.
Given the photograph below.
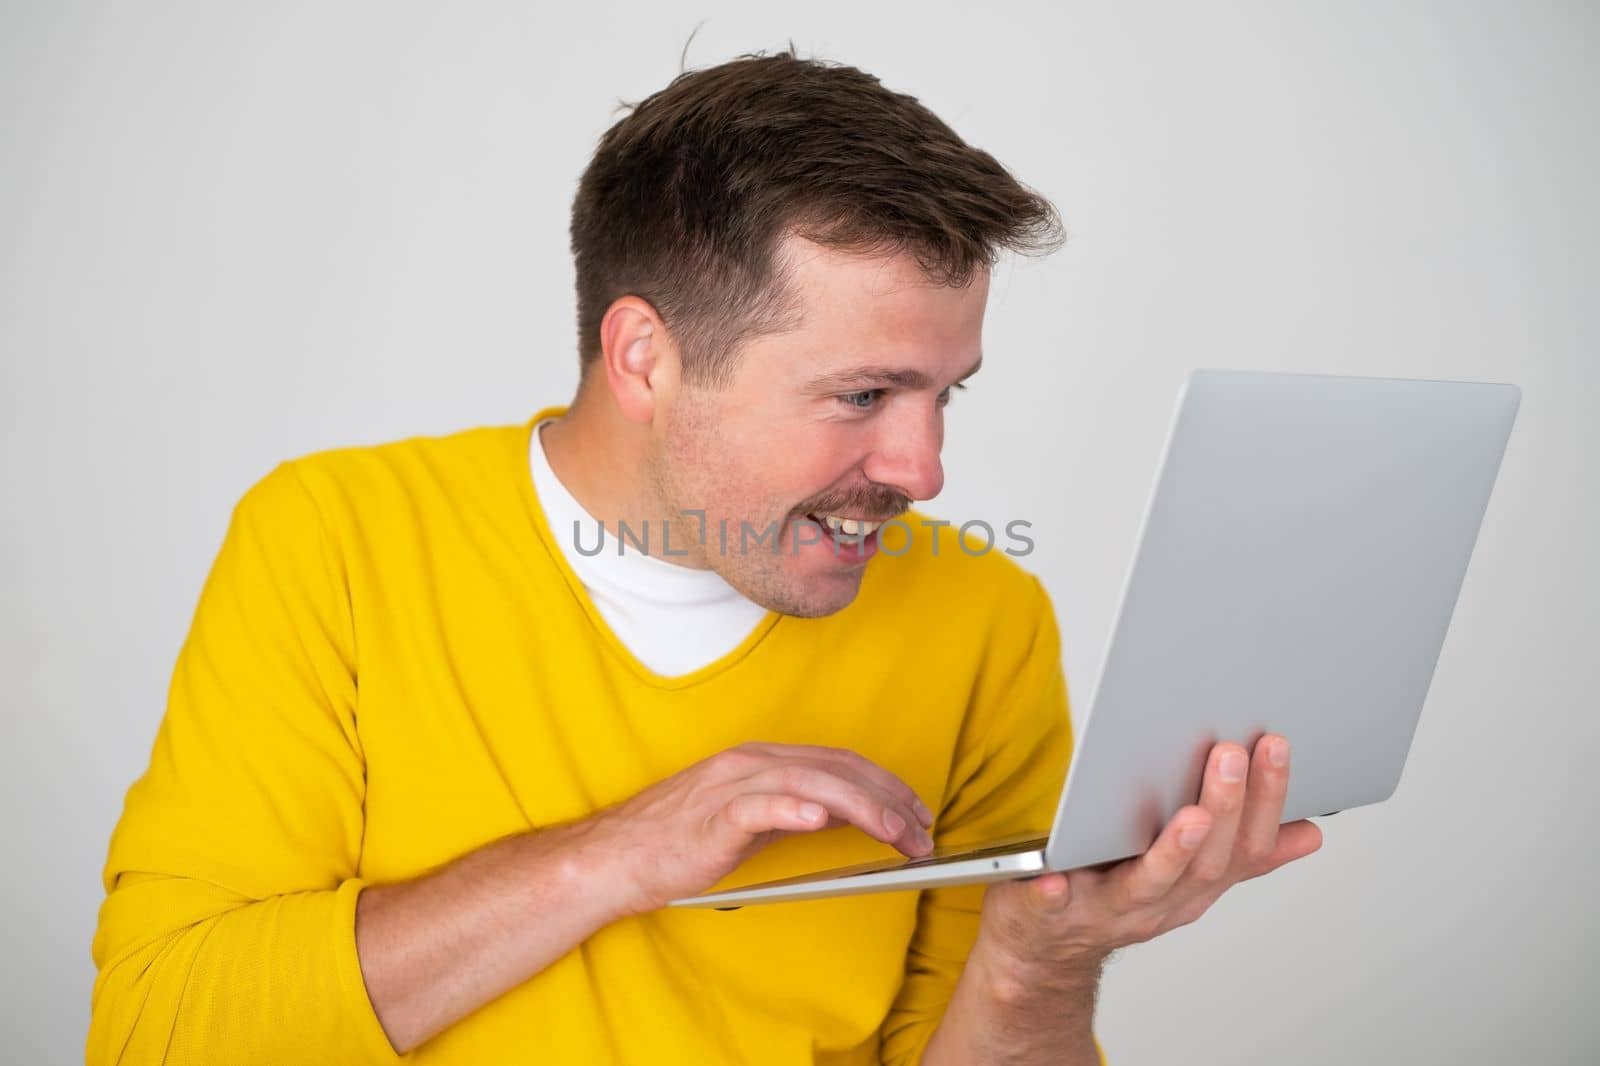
(867, 399)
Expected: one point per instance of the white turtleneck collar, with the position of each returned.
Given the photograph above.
(673, 619)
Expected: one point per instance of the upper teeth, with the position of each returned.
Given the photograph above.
(851, 526)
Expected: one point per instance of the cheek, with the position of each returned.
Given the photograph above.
(766, 482)
(729, 479)
(809, 467)
(761, 470)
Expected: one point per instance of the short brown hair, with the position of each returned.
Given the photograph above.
(688, 194)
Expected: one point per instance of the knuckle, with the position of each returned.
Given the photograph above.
(733, 760)
(736, 813)
(868, 804)
(855, 764)
(1208, 869)
(1258, 852)
(792, 778)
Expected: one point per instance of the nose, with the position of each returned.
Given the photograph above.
(905, 455)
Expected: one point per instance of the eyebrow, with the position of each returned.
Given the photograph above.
(874, 376)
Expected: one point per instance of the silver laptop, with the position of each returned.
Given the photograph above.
(1296, 570)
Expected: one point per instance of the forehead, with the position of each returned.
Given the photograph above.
(879, 310)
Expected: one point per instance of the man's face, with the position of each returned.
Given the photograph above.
(843, 417)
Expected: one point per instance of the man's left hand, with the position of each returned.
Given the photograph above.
(1057, 930)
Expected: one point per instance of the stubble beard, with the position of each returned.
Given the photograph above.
(755, 571)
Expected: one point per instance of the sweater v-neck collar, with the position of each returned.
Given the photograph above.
(522, 440)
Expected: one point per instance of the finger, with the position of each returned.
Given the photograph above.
(1145, 880)
(1221, 793)
(1296, 840)
(847, 800)
(899, 799)
(750, 814)
(1263, 803)
(844, 758)
(1050, 891)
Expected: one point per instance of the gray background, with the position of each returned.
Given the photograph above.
(235, 233)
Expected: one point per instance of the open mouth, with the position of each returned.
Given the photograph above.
(844, 529)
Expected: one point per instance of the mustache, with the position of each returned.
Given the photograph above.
(875, 505)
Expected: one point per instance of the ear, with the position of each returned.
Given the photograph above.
(639, 358)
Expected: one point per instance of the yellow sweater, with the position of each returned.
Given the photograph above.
(391, 664)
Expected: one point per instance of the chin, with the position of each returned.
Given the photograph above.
(816, 598)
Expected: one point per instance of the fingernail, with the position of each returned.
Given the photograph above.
(1191, 836)
(925, 839)
(1278, 753)
(924, 814)
(1232, 767)
(893, 823)
(811, 812)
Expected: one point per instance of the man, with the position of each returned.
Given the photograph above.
(432, 765)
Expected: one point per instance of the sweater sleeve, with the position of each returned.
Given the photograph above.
(227, 933)
(1010, 766)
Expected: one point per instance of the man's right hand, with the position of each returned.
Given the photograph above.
(681, 836)
(436, 948)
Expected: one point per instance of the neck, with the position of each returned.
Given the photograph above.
(601, 457)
